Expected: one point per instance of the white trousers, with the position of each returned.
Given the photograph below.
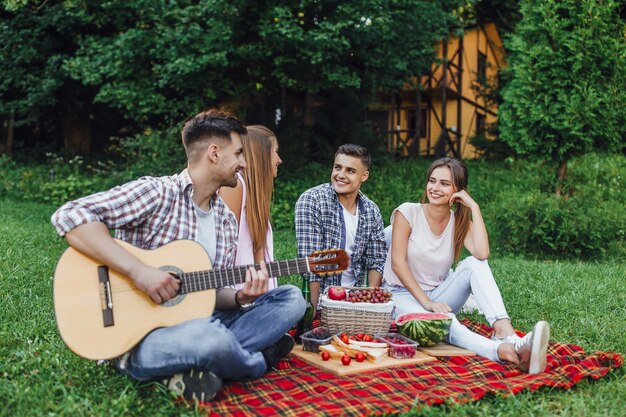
(471, 276)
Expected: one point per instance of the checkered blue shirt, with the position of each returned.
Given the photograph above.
(320, 225)
(150, 212)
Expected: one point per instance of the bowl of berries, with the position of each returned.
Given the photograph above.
(313, 339)
(400, 347)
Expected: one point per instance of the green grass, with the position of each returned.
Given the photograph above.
(39, 376)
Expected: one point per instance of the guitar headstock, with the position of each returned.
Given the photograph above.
(328, 261)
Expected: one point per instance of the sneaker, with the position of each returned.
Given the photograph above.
(194, 385)
(513, 338)
(532, 348)
(278, 350)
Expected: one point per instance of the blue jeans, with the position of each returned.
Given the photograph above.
(229, 343)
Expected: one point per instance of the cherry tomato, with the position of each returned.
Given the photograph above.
(368, 338)
(360, 357)
(345, 338)
(346, 359)
(325, 356)
(359, 336)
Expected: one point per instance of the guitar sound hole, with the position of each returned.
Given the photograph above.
(180, 297)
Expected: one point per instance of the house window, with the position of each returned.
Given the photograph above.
(481, 69)
(481, 125)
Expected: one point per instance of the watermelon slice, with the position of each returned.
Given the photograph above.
(427, 329)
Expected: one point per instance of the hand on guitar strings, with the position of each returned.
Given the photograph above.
(160, 285)
(256, 284)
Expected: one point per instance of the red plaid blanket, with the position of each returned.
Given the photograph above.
(299, 389)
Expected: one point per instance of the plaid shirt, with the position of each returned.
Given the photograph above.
(320, 225)
(150, 212)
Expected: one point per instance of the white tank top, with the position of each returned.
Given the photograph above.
(429, 256)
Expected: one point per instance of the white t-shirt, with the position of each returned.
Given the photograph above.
(429, 256)
(351, 221)
(206, 230)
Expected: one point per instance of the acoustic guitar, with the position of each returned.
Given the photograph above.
(101, 314)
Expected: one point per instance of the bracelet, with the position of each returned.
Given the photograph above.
(237, 300)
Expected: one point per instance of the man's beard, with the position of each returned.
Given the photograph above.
(232, 182)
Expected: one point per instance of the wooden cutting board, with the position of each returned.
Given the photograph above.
(445, 349)
(335, 366)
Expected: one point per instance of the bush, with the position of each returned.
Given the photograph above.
(152, 152)
(58, 180)
(587, 224)
(522, 214)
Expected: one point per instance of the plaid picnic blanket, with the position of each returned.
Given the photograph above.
(299, 389)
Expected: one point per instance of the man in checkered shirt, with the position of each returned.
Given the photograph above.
(192, 357)
(339, 215)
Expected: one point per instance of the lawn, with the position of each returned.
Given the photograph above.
(584, 302)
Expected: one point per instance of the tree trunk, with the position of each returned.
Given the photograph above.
(310, 146)
(561, 178)
(77, 132)
(6, 140)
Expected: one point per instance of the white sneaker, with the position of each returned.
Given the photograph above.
(513, 338)
(532, 348)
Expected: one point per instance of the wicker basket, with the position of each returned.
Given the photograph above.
(344, 316)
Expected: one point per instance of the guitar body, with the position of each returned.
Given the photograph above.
(97, 323)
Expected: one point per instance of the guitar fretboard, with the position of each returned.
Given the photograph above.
(225, 277)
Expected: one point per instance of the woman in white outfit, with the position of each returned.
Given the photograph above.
(426, 238)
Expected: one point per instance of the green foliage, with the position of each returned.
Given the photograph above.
(362, 44)
(154, 60)
(566, 95)
(34, 42)
(131, 66)
(522, 214)
(587, 225)
(152, 152)
(59, 180)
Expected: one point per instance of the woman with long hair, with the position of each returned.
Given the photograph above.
(426, 239)
(250, 200)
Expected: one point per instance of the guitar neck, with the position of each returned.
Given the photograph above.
(225, 277)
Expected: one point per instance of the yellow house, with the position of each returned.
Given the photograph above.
(445, 108)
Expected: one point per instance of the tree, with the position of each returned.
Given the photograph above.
(156, 62)
(148, 64)
(566, 95)
(34, 43)
(304, 57)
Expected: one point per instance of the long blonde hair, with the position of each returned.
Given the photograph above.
(462, 214)
(259, 178)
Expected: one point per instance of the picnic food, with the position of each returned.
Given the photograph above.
(332, 351)
(368, 295)
(427, 329)
(325, 355)
(346, 359)
(373, 353)
(337, 293)
(400, 347)
(360, 357)
(311, 340)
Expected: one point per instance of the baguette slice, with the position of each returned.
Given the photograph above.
(342, 347)
(376, 355)
(332, 350)
(368, 344)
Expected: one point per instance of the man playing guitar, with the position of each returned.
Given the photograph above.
(245, 336)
